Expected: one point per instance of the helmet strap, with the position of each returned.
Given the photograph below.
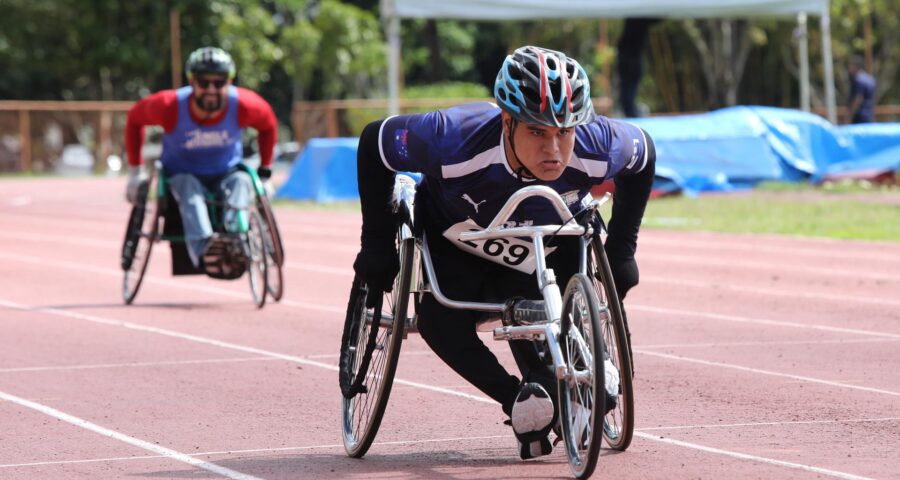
(522, 171)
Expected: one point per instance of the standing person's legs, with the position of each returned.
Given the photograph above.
(190, 194)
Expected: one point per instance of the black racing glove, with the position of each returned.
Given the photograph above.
(378, 264)
(264, 173)
(624, 270)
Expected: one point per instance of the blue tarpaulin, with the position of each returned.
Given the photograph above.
(723, 150)
(740, 146)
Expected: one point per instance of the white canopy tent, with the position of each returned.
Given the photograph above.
(394, 10)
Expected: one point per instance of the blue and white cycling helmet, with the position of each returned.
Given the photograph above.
(540, 86)
(210, 60)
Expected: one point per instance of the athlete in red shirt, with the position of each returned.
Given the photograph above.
(202, 143)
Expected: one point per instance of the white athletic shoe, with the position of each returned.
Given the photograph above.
(532, 418)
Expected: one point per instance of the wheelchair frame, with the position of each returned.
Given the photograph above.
(571, 345)
(146, 227)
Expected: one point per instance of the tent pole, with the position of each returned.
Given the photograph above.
(829, 66)
(389, 13)
(803, 44)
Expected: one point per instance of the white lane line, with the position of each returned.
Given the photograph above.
(167, 282)
(165, 452)
(766, 372)
(132, 365)
(792, 294)
(404, 353)
(261, 450)
(476, 398)
(755, 458)
(758, 321)
(770, 267)
(766, 344)
(219, 343)
(772, 424)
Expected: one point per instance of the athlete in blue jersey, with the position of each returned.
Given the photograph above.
(543, 131)
(202, 145)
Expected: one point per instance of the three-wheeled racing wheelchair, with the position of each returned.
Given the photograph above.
(254, 247)
(576, 329)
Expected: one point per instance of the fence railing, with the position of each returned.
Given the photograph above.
(33, 133)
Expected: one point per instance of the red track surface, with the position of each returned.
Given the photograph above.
(757, 357)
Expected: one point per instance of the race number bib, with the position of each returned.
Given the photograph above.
(514, 253)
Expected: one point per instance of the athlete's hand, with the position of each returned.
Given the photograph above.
(378, 263)
(624, 270)
(265, 176)
(136, 176)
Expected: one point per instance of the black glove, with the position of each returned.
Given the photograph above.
(624, 270)
(264, 173)
(378, 265)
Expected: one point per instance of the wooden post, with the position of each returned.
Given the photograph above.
(331, 121)
(104, 140)
(175, 46)
(25, 137)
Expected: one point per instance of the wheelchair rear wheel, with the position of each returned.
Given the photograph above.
(581, 392)
(369, 355)
(618, 427)
(257, 258)
(275, 250)
(140, 235)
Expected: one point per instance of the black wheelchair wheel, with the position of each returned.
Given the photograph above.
(257, 258)
(369, 355)
(140, 235)
(274, 250)
(581, 392)
(618, 427)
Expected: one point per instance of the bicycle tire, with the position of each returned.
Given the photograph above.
(618, 428)
(363, 410)
(581, 392)
(257, 264)
(141, 233)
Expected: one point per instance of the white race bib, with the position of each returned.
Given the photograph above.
(510, 252)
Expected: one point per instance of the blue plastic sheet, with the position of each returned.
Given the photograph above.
(728, 149)
(737, 147)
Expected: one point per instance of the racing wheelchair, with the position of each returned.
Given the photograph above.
(576, 329)
(255, 248)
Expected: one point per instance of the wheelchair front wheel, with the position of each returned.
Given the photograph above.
(618, 427)
(140, 235)
(581, 392)
(369, 355)
(257, 259)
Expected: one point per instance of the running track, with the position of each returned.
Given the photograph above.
(757, 357)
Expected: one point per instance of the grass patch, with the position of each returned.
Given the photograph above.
(851, 214)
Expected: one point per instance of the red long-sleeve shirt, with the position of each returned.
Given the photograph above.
(161, 109)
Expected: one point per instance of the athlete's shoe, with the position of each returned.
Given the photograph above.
(532, 417)
(611, 374)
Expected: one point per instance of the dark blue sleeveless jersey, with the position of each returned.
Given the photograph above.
(467, 177)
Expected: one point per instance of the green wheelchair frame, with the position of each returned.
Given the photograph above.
(151, 220)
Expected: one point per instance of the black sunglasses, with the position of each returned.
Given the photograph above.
(204, 82)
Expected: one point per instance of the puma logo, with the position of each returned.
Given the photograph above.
(467, 198)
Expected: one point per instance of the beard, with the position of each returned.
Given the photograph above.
(209, 102)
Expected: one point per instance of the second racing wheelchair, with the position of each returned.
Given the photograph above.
(255, 248)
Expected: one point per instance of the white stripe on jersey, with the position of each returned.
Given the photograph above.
(381, 146)
(478, 162)
(592, 168)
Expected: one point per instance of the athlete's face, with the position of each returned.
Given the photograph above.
(544, 151)
(209, 91)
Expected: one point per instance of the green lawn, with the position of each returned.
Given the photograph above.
(841, 212)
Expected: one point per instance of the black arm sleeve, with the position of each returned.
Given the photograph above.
(375, 182)
(629, 203)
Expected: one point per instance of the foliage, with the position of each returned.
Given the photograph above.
(357, 119)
